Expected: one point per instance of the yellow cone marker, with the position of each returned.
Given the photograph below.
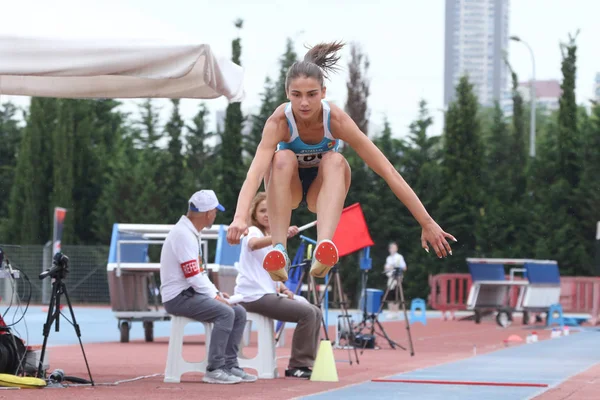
(324, 369)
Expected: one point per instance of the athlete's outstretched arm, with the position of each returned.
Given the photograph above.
(259, 167)
(345, 129)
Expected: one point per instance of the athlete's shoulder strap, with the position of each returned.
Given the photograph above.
(327, 119)
(289, 115)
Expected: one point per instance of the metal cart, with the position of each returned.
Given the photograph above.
(134, 291)
(492, 291)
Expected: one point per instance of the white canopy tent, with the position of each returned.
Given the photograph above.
(89, 49)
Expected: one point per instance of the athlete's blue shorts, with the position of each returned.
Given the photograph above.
(307, 176)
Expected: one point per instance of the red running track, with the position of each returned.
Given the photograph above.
(438, 342)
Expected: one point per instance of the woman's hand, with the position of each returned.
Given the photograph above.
(219, 297)
(436, 237)
(284, 290)
(292, 231)
(235, 230)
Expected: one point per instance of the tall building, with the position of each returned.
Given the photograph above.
(476, 39)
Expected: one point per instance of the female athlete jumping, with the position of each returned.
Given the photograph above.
(298, 159)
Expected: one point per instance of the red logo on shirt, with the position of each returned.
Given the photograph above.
(190, 268)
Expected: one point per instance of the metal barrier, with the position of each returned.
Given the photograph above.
(449, 292)
(578, 294)
(86, 280)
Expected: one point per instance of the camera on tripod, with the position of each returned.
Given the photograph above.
(59, 269)
(397, 273)
(58, 272)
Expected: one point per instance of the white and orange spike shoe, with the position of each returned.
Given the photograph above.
(276, 263)
(325, 257)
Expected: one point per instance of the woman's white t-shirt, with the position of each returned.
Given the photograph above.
(252, 281)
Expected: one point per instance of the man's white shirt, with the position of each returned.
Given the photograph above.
(394, 261)
(181, 265)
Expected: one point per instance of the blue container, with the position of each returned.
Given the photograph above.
(373, 300)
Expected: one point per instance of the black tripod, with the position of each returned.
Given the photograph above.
(395, 284)
(335, 280)
(371, 321)
(58, 272)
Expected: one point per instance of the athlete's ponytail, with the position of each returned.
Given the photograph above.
(318, 62)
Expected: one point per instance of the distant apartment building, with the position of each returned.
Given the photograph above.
(547, 94)
(476, 38)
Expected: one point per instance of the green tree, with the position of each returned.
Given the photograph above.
(358, 87)
(285, 62)
(28, 221)
(568, 138)
(267, 106)
(232, 165)
(118, 158)
(386, 216)
(199, 154)
(148, 133)
(462, 173)
(175, 174)
(133, 191)
(72, 161)
(83, 146)
(495, 232)
(555, 181)
(588, 191)
(518, 145)
(421, 159)
(517, 173)
(358, 91)
(10, 138)
(421, 168)
(107, 128)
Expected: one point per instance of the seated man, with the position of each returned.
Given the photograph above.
(187, 291)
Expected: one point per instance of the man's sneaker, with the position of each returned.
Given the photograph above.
(240, 373)
(324, 257)
(300, 373)
(276, 263)
(220, 376)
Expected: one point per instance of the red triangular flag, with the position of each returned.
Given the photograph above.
(352, 233)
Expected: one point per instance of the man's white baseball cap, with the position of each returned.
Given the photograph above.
(204, 200)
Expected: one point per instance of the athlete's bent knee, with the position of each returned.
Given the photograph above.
(333, 160)
(284, 160)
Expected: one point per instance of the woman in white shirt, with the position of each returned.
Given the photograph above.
(260, 292)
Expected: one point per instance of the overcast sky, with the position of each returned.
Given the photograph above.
(404, 41)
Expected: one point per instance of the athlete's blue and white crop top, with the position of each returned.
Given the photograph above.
(309, 155)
